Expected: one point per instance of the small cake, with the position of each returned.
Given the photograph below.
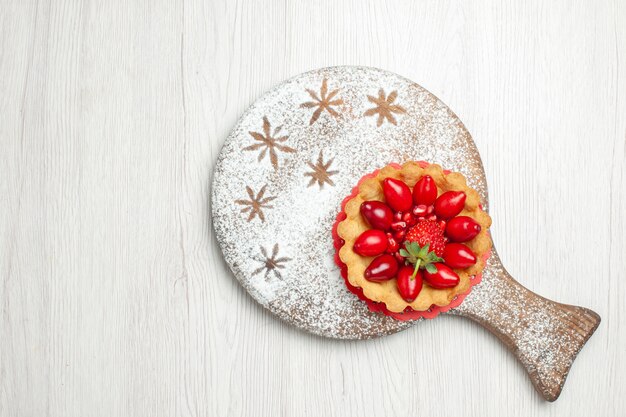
(412, 238)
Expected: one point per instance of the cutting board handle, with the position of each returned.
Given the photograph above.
(544, 335)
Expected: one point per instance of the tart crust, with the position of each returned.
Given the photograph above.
(351, 228)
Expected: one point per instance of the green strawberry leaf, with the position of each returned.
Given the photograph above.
(424, 251)
(409, 247)
(420, 256)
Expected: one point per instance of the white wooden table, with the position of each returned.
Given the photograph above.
(114, 299)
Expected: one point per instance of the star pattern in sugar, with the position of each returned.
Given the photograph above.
(384, 107)
(269, 142)
(320, 172)
(271, 264)
(255, 203)
(323, 102)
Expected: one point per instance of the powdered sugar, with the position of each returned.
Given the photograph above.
(286, 260)
(311, 293)
(544, 335)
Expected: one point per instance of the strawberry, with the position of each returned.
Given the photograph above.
(419, 257)
(427, 232)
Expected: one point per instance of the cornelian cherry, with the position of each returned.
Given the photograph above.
(462, 229)
(409, 287)
(371, 243)
(397, 194)
(425, 191)
(457, 255)
(445, 277)
(449, 204)
(377, 214)
(382, 268)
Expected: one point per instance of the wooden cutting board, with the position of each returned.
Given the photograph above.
(278, 185)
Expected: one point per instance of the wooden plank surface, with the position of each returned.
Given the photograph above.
(114, 300)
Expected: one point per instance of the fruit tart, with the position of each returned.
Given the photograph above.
(411, 240)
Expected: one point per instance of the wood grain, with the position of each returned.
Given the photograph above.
(545, 336)
(114, 299)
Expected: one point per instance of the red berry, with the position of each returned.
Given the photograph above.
(442, 224)
(377, 214)
(432, 218)
(445, 277)
(397, 194)
(462, 229)
(419, 210)
(430, 209)
(427, 232)
(399, 258)
(449, 204)
(457, 255)
(371, 243)
(398, 216)
(409, 288)
(392, 244)
(399, 235)
(425, 191)
(397, 226)
(382, 268)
